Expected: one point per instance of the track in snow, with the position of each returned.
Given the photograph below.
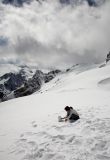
(88, 138)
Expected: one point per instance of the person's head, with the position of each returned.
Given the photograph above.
(67, 108)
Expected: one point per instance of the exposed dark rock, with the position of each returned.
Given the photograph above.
(67, 70)
(49, 76)
(35, 83)
(19, 84)
(108, 57)
(13, 81)
(1, 95)
(73, 67)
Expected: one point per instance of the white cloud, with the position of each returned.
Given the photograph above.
(54, 35)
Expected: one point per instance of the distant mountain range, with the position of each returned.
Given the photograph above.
(23, 82)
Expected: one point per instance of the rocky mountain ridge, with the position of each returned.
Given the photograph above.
(13, 85)
(27, 81)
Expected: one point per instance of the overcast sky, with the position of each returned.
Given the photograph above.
(54, 35)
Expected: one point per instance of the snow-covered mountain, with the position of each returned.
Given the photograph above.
(29, 128)
(23, 81)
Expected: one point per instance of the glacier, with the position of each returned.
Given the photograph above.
(29, 127)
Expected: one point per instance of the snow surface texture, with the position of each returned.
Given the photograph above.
(29, 127)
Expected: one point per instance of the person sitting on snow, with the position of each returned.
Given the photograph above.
(72, 114)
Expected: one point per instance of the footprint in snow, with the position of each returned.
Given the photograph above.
(100, 145)
(33, 123)
(71, 139)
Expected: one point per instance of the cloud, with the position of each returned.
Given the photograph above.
(54, 35)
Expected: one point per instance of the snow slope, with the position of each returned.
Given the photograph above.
(29, 128)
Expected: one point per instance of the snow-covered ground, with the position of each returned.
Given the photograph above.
(29, 127)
